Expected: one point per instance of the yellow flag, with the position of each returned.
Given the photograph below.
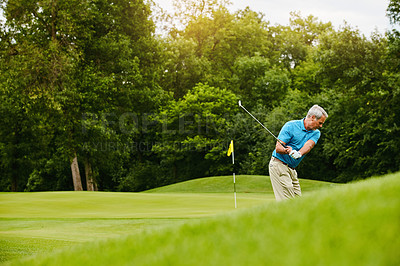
(230, 150)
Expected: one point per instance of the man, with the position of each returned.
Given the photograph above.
(299, 137)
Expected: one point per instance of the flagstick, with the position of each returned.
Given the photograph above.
(231, 151)
(234, 189)
(234, 179)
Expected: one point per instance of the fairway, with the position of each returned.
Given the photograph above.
(40, 222)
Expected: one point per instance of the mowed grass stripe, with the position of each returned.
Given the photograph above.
(354, 224)
(120, 205)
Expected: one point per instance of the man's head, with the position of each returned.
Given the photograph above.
(316, 117)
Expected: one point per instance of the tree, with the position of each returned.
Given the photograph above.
(82, 57)
(206, 49)
(354, 68)
(189, 10)
(195, 130)
(294, 42)
(393, 12)
(21, 132)
(257, 82)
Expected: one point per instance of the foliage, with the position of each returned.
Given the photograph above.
(358, 76)
(195, 130)
(140, 109)
(256, 81)
(75, 60)
(296, 41)
(393, 11)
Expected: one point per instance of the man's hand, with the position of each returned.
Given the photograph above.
(288, 149)
(295, 154)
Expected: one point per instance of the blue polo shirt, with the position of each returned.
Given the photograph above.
(295, 135)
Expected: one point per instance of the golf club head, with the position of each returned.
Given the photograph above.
(240, 103)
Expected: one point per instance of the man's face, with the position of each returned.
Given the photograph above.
(317, 124)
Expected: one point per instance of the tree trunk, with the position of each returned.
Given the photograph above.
(76, 176)
(53, 20)
(14, 175)
(14, 184)
(90, 182)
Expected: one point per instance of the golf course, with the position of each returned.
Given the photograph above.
(213, 132)
(195, 223)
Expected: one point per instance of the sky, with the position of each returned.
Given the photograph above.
(366, 15)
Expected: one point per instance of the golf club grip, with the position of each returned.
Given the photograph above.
(283, 145)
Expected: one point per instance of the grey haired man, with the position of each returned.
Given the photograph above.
(299, 137)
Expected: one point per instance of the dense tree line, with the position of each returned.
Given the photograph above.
(122, 96)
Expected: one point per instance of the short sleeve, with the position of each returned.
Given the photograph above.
(315, 136)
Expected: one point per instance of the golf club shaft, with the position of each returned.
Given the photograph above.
(262, 125)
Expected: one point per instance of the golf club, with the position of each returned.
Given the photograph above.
(240, 104)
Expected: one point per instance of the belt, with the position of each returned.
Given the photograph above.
(277, 160)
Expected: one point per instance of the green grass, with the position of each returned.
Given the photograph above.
(34, 223)
(354, 224)
(244, 183)
(23, 237)
(45, 223)
(118, 205)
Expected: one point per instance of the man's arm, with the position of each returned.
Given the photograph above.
(307, 147)
(280, 149)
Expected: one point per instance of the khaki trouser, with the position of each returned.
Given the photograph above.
(284, 180)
